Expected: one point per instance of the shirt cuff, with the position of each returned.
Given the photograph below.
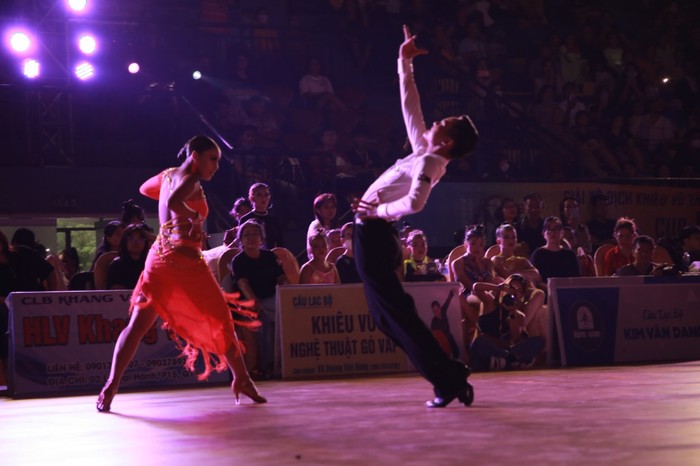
(405, 66)
(382, 213)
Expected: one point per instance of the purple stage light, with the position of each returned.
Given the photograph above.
(77, 6)
(30, 68)
(87, 44)
(84, 70)
(133, 68)
(196, 75)
(19, 41)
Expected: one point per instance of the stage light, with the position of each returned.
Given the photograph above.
(19, 41)
(196, 75)
(84, 70)
(30, 68)
(133, 68)
(78, 6)
(87, 44)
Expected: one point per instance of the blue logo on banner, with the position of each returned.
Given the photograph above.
(588, 322)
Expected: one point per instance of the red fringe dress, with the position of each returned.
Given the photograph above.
(179, 286)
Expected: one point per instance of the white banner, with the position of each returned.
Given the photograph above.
(327, 331)
(62, 342)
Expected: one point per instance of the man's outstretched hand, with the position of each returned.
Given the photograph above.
(408, 49)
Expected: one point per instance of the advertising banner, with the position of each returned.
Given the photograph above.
(609, 320)
(327, 331)
(62, 342)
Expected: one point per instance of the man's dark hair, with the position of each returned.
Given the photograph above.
(464, 134)
(24, 237)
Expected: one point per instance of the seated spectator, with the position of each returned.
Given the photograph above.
(257, 274)
(259, 116)
(596, 160)
(70, 263)
(576, 236)
(507, 261)
(419, 267)
(134, 214)
(600, 226)
(325, 210)
(570, 103)
(124, 271)
(506, 264)
(241, 206)
(506, 213)
(317, 270)
(317, 91)
(653, 130)
(32, 271)
(530, 227)
(473, 267)
(553, 259)
(690, 242)
(335, 240)
(260, 197)
(625, 231)
(110, 239)
(503, 341)
(642, 250)
(345, 264)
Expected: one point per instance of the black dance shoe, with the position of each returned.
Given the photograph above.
(466, 397)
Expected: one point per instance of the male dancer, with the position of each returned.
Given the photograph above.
(401, 190)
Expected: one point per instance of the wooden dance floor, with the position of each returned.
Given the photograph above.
(641, 415)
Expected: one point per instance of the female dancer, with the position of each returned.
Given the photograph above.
(176, 283)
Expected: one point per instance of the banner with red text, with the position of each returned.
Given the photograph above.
(62, 342)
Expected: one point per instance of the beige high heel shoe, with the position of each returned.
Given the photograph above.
(248, 388)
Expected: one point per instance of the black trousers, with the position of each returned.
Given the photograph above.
(377, 252)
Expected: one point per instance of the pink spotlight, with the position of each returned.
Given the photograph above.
(87, 44)
(30, 68)
(84, 70)
(77, 6)
(19, 41)
(133, 68)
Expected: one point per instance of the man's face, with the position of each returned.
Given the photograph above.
(533, 208)
(440, 131)
(642, 253)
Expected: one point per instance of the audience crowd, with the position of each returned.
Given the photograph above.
(559, 89)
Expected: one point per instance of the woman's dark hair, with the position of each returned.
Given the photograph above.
(247, 224)
(474, 231)
(132, 212)
(322, 199)
(504, 201)
(104, 245)
(130, 230)
(24, 237)
(198, 143)
(237, 204)
(561, 207)
(549, 221)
